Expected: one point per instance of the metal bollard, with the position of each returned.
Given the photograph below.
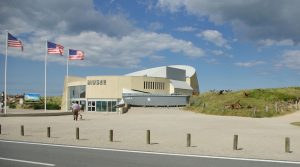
(111, 135)
(48, 132)
(148, 137)
(188, 140)
(77, 133)
(235, 142)
(287, 145)
(22, 130)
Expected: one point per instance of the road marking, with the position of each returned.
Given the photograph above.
(24, 161)
(156, 153)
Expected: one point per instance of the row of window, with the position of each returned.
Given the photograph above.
(154, 85)
(102, 106)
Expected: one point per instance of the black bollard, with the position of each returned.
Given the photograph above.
(188, 140)
(77, 133)
(287, 145)
(48, 132)
(22, 130)
(111, 135)
(148, 137)
(235, 142)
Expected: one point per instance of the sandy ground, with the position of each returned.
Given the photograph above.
(262, 138)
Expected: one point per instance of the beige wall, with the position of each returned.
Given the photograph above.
(71, 80)
(114, 85)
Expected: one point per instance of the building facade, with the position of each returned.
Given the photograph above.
(104, 93)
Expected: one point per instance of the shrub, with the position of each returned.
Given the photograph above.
(12, 105)
(50, 106)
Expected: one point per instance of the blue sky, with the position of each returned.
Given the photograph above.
(233, 44)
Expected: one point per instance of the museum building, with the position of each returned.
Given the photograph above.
(160, 86)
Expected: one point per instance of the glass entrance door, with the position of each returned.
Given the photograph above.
(91, 105)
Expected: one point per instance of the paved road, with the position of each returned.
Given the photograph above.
(22, 154)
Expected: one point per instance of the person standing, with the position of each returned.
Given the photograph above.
(75, 110)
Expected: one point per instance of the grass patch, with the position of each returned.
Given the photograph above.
(256, 103)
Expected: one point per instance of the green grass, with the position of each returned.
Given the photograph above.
(253, 105)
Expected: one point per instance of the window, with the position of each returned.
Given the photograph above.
(77, 91)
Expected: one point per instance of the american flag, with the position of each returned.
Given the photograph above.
(76, 54)
(14, 42)
(55, 48)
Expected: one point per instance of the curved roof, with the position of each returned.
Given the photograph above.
(157, 71)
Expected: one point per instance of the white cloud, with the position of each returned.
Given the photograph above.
(217, 52)
(290, 59)
(249, 64)
(172, 6)
(154, 26)
(186, 29)
(61, 17)
(215, 37)
(157, 58)
(253, 19)
(271, 42)
(127, 51)
(108, 40)
(101, 49)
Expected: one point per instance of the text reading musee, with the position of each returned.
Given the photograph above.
(96, 82)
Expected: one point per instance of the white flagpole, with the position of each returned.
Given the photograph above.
(45, 93)
(67, 81)
(5, 71)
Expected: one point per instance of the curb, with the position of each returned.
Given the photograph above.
(36, 114)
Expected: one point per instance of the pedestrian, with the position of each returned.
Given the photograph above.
(75, 110)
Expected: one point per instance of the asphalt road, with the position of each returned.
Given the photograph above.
(22, 154)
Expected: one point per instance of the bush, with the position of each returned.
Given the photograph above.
(12, 105)
(38, 106)
(50, 106)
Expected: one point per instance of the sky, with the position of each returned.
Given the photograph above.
(232, 44)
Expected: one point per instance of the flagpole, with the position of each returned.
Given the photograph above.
(45, 93)
(5, 71)
(67, 81)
